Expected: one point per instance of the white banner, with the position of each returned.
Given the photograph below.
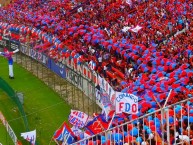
(30, 136)
(77, 131)
(75, 78)
(102, 99)
(127, 103)
(98, 98)
(78, 118)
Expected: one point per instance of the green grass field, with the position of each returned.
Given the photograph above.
(44, 108)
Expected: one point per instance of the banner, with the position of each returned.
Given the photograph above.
(14, 45)
(8, 128)
(58, 68)
(89, 89)
(126, 102)
(105, 86)
(39, 56)
(75, 78)
(24, 49)
(102, 99)
(78, 118)
(83, 70)
(30, 136)
(4, 42)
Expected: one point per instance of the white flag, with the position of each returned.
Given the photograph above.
(106, 110)
(136, 29)
(30, 136)
(77, 131)
(129, 2)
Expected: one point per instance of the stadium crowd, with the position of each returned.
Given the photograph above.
(144, 48)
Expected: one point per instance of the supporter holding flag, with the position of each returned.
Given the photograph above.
(7, 54)
(97, 125)
(64, 134)
(78, 118)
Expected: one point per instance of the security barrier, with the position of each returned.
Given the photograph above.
(172, 124)
(74, 84)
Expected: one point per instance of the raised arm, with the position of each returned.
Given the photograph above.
(15, 51)
(1, 53)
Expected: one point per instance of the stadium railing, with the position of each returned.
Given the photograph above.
(155, 126)
(80, 79)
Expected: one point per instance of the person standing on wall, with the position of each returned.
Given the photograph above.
(7, 54)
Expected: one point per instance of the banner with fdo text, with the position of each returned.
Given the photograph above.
(126, 102)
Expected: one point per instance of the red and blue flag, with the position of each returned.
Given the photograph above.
(64, 133)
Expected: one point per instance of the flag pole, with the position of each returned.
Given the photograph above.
(167, 98)
(112, 117)
(53, 135)
(111, 121)
(66, 139)
(55, 142)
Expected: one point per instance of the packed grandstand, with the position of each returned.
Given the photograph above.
(140, 47)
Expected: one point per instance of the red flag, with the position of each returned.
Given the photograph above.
(97, 125)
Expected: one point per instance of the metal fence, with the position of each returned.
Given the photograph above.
(75, 88)
(72, 86)
(169, 125)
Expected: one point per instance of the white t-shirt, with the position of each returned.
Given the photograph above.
(143, 143)
(105, 68)
(130, 70)
(184, 138)
(100, 59)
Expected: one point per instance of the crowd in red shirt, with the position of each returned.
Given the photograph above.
(148, 62)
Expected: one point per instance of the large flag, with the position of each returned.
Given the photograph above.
(78, 118)
(97, 125)
(64, 133)
(30, 136)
